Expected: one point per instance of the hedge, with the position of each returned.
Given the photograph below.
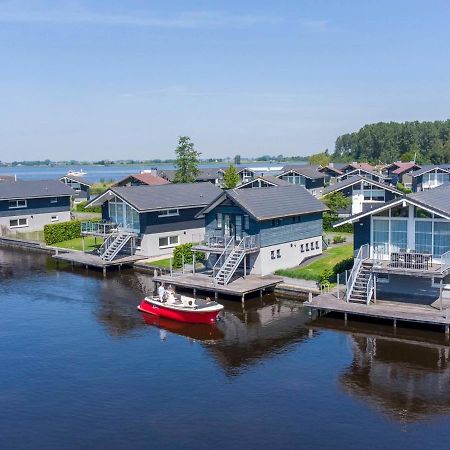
(183, 252)
(80, 207)
(63, 231)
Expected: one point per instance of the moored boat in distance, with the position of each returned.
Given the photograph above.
(75, 173)
(182, 309)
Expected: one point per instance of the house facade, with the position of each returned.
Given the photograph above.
(430, 177)
(307, 176)
(362, 172)
(266, 229)
(365, 194)
(81, 187)
(141, 179)
(156, 218)
(404, 246)
(30, 205)
(400, 172)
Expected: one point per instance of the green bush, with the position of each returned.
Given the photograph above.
(63, 231)
(342, 266)
(184, 253)
(325, 276)
(339, 239)
(81, 207)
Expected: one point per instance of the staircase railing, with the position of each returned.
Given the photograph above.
(363, 253)
(445, 262)
(370, 288)
(126, 231)
(108, 241)
(239, 249)
(223, 256)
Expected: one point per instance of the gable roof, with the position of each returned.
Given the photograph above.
(146, 178)
(330, 168)
(80, 180)
(33, 189)
(403, 167)
(350, 181)
(357, 165)
(434, 200)
(271, 202)
(165, 196)
(270, 179)
(358, 172)
(429, 168)
(311, 172)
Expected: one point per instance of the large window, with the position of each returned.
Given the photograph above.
(424, 236)
(294, 178)
(123, 214)
(169, 241)
(169, 213)
(399, 235)
(441, 238)
(380, 237)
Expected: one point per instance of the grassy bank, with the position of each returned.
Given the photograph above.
(77, 244)
(312, 271)
(163, 263)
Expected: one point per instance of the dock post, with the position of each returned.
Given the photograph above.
(261, 292)
(193, 264)
(245, 266)
(216, 295)
(440, 295)
(104, 271)
(82, 242)
(345, 319)
(243, 299)
(447, 330)
(375, 289)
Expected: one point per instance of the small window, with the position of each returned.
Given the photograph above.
(54, 218)
(54, 200)
(272, 254)
(278, 253)
(302, 248)
(307, 246)
(168, 241)
(317, 245)
(18, 223)
(219, 220)
(246, 222)
(17, 204)
(169, 213)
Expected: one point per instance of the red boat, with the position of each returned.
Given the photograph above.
(184, 309)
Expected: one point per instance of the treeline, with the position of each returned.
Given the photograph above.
(385, 142)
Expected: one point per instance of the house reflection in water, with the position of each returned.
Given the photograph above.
(405, 379)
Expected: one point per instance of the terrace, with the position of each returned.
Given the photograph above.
(218, 243)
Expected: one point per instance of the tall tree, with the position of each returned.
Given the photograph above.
(187, 161)
(230, 178)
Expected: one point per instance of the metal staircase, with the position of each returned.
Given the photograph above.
(230, 259)
(114, 243)
(362, 290)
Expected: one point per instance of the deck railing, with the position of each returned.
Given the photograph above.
(445, 262)
(370, 287)
(221, 241)
(363, 254)
(98, 228)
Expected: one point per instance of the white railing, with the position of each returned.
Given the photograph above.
(363, 254)
(98, 228)
(223, 256)
(370, 288)
(240, 250)
(108, 241)
(445, 261)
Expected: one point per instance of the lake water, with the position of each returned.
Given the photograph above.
(80, 367)
(106, 173)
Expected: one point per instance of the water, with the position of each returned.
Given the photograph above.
(81, 368)
(106, 173)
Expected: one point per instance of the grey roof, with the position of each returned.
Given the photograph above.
(361, 169)
(355, 179)
(165, 196)
(7, 178)
(269, 178)
(209, 173)
(428, 168)
(33, 189)
(80, 180)
(276, 201)
(307, 171)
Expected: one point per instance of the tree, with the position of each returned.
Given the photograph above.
(187, 161)
(230, 178)
(335, 202)
(237, 160)
(320, 159)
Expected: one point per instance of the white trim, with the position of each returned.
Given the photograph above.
(169, 245)
(18, 223)
(17, 204)
(177, 213)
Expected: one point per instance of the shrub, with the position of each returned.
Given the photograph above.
(183, 252)
(339, 239)
(63, 231)
(81, 207)
(325, 276)
(342, 266)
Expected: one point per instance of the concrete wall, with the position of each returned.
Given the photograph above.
(35, 221)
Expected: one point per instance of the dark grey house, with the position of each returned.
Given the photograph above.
(403, 249)
(365, 194)
(80, 186)
(263, 181)
(29, 205)
(430, 177)
(306, 176)
(156, 218)
(362, 172)
(261, 230)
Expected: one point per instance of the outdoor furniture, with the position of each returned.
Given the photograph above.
(411, 260)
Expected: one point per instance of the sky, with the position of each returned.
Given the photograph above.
(123, 79)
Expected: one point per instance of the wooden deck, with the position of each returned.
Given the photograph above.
(387, 310)
(91, 260)
(432, 271)
(240, 287)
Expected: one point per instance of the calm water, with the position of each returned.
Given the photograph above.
(107, 173)
(81, 368)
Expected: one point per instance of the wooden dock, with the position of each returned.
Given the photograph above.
(91, 260)
(386, 310)
(206, 283)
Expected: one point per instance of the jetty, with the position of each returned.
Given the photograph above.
(240, 287)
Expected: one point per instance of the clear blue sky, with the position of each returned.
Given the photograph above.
(123, 79)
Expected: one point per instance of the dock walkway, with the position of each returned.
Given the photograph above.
(240, 287)
(387, 310)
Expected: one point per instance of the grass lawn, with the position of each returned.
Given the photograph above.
(76, 244)
(312, 271)
(164, 263)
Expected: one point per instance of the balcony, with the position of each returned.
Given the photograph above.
(217, 243)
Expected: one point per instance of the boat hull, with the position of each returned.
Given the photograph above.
(194, 316)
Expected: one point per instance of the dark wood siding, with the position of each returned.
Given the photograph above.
(36, 206)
